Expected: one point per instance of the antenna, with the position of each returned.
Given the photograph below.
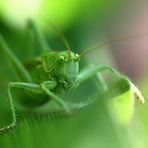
(62, 37)
(115, 40)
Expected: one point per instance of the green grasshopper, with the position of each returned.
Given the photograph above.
(52, 73)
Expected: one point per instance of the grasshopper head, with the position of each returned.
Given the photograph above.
(62, 66)
(66, 66)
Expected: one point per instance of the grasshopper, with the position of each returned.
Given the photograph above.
(52, 73)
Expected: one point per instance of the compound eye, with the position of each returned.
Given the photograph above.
(77, 57)
(62, 58)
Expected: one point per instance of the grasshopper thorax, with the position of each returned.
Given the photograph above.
(62, 66)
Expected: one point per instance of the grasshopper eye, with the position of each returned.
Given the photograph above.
(62, 58)
(77, 57)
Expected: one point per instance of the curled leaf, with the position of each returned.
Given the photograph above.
(137, 92)
(121, 106)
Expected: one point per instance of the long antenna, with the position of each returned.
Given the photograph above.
(62, 37)
(115, 40)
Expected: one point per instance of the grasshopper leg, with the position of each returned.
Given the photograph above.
(100, 80)
(37, 35)
(16, 85)
(56, 98)
(93, 70)
(17, 67)
(13, 124)
(25, 86)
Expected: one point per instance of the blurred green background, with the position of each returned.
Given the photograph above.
(84, 24)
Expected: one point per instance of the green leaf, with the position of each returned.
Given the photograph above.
(121, 106)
